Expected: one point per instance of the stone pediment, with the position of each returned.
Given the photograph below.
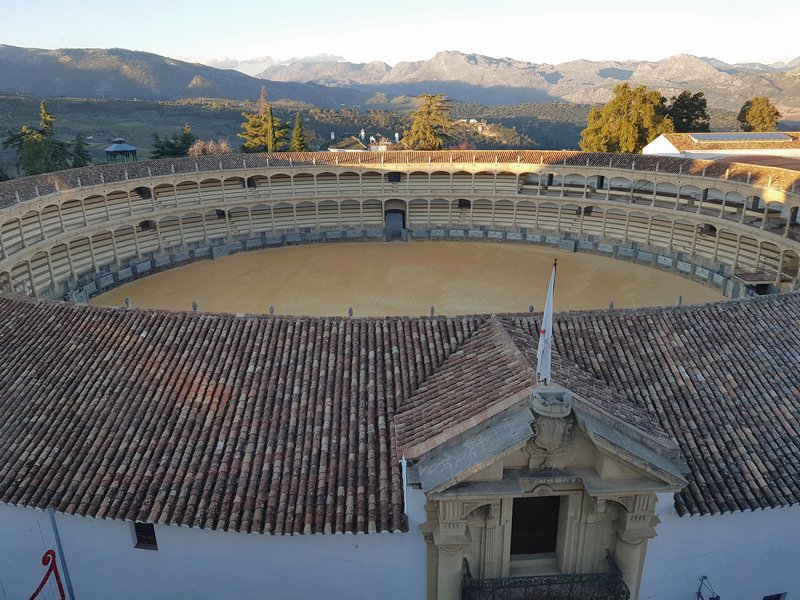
(456, 465)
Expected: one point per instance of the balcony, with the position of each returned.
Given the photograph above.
(584, 586)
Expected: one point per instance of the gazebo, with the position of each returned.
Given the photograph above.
(119, 152)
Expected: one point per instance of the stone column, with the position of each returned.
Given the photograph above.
(636, 525)
(450, 568)
(493, 544)
(450, 536)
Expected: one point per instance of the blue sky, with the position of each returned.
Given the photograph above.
(552, 31)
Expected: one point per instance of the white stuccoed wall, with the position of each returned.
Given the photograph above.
(746, 556)
(196, 564)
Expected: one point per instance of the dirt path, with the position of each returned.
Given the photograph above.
(406, 279)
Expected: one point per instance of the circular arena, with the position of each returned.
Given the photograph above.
(242, 447)
(78, 233)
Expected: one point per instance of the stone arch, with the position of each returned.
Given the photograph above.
(280, 185)
(193, 227)
(418, 213)
(525, 214)
(95, 208)
(439, 212)
(569, 217)
(188, 193)
(372, 213)
(690, 193)
(103, 248)
(506, 182)
(261, 218)
(372, 182)
(29, 224)
(349, 183)
(164, 195)
(169, 231)
(503, 214)
(462, 182)
(72, 213)
(60, 262)
(327, 184)
(615, 224)
(211, 190)
(439, 182)
(482, 212)
(40, 272)
(51, 220)
(547, 216)
(350, 214)
(306, 215)
(328, 211)
(303, 185)
(22, 279)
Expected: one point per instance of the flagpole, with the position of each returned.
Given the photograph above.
(543, 352)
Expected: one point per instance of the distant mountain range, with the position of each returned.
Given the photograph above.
(487, 80)
(124, 75)
(330, 82)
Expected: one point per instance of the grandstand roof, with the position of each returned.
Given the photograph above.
(287, 425)
(29, 189)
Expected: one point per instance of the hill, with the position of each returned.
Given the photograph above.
(487, 80)
(127, 75)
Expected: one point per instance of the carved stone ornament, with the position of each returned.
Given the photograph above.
(552, 435)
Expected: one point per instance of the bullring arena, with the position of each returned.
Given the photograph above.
(82, 232)
(244, 447)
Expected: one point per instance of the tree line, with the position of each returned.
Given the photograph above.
(630, 120)
(634, 117)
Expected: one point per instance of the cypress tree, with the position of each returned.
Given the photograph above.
(299, 143)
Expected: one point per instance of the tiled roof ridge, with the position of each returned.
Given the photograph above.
(599, 394)
(414, 438)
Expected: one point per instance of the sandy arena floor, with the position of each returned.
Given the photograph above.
(405, 279)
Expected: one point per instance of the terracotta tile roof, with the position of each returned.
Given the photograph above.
(255, 424)
(493, 369)
(286, 425)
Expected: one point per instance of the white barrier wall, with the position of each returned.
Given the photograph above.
(746, 556)
(194, 564)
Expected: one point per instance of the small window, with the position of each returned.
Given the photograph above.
(393, 177)
(464, 204)
(781, 596)
(534, 525)
(145, 535)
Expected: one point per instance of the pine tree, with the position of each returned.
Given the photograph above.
(430, 125)
(79, 155)
(46, 119)
(758, 114)
(628, 122)
(299, 143)
(176, 145)
(261, 130)
(689, 112)
(38, 151)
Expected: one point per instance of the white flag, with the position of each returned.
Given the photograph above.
(546, 334)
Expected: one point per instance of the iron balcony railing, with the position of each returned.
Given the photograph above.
(584, 586)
